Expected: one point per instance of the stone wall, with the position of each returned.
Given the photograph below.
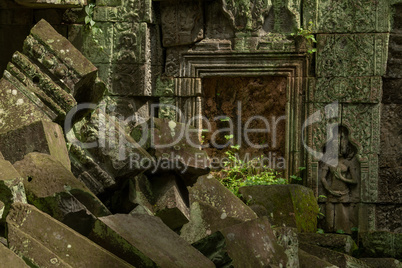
(164, 51)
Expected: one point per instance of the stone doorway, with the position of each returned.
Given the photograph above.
(256, 108)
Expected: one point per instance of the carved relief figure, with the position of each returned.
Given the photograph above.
(339, 177)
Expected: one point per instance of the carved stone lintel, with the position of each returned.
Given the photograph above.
(180, 87)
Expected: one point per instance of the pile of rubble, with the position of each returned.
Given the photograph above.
(103, 199)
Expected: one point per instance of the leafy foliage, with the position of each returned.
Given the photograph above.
(91, 24)
(238, 173)
(308, 35)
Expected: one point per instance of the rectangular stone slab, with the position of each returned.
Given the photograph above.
(68, 64)
(35, 228)
(44, 137)
(154, 239)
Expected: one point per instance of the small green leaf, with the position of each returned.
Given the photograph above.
(92, 22)
(320, 231)
(87, 19)
(226, 119)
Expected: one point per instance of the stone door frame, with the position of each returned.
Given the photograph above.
(200, 64)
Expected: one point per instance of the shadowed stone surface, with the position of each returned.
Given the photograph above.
(45, 241)
(284, 205)
(145, 235)
(171, 203)
(337, 242)
(382, 262)
(43, 137)
(10, 259)
(54, 189)
(212, 208)
(381, 245)
(334, 257)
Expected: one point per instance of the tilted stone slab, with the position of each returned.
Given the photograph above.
(253, 244)
(337, 242)
(54, 189)
(212, 208)
(109, 147)
(287, 238)
(10, 259)
(11, 187)
(16, 109)
(43, 137)
(150, 239)
(307, 260)
(284, 205)
(60, 58)
(45, 241)
(52, 3)
(334, 257)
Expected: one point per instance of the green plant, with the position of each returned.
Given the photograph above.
(238, 173)
(296, 176)
(320, 231)
(91, 24)
(308, 35)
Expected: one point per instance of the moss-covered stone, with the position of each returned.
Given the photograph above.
(285, 205)
(52, 3)
(16, 109)
(11, 188)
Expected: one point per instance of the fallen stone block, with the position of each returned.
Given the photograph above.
(43, 137)
(11, 187)
(54, 190)
(307, 260)
(46, 242)
(382, 262)
(61, 59)
(145, 241)
(212, 208)
(114, 152)
(253, 244)
(337, 242)
(171, 204)
(16, 109)
(380, 244)
(287, 238)
(284, 205)
(175, 146)
(10, 259)
(334, 257)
